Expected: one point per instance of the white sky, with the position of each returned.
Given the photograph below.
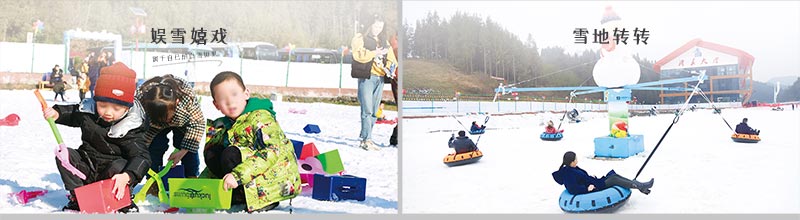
(770, 31)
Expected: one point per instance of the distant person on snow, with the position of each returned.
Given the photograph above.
(379, 114)
(653, 111)
(462, 143)
(573, 115)
(476, 128)
(59, 85)
(550, 129)
(743, 128)
(577, 181)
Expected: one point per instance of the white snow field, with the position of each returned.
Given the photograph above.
(27, 161)
(697, 168)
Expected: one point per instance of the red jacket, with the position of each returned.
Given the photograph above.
(552, 130)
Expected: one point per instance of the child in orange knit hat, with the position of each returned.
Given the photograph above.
(113, 144)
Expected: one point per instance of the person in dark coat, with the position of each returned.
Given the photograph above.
(577, 181)
(476, 128)
(112, 134)
(573, 115)
(743, 128)
(462, 143)
(393, 138)
(94, 71)
(59, 85)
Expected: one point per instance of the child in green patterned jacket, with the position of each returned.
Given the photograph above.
(249, 151)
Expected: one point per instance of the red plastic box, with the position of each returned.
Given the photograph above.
(97, 197)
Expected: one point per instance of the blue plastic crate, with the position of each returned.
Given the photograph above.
(338, 188)
(618, 147)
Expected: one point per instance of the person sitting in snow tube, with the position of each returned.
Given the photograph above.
(475, 129)
(550, 133)
(743, 128)
(550, 129)
(593, 193)
(462, 143)
(465, 150)
(573, 115)
(746, 134)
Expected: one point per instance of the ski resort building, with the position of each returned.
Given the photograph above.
(729, 71)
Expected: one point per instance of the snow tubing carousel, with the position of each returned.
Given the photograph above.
(462, 158)
(603, 201)
(481, 131)
(551, 137)
(745, 138)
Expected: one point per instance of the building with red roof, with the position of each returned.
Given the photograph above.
(729, 71)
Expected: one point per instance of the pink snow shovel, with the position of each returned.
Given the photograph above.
(24, 196)
(61, 150)
(10, 120)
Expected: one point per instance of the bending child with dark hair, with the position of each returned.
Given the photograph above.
(171, 106)
(249, 151)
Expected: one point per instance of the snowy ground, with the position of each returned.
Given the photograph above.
(697, 169)
(27, 161)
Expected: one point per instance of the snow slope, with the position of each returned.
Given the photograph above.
(697, 168)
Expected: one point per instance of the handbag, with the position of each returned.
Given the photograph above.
(361, 70)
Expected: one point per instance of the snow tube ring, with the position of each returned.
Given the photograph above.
(551, 137)
(462, 158)
(605, 201)
(745, 138)
(481, 131)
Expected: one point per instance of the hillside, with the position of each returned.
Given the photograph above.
(442, 77)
